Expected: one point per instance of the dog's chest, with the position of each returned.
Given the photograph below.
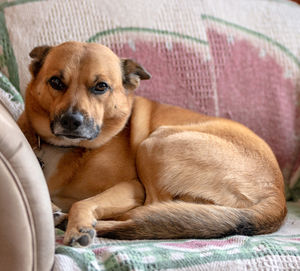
(50, 157)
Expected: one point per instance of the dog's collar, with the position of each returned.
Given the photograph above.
(38, 148)
(39, 142)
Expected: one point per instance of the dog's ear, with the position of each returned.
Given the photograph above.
(38, 54)
(133, 73)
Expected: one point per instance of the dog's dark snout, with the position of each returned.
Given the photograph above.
(71, 121)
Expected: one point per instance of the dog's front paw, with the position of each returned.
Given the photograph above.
(82, 237)
(81, 223)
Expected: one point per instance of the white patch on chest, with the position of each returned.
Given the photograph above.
(50, 156)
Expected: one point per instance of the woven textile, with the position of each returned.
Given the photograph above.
(279, 251)
(10, 97)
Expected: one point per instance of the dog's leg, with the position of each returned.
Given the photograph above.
(114, 201)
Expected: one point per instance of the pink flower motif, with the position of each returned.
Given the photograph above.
(180, 75)
(253, 90)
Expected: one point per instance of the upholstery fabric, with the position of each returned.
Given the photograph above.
(26, 228)
(17, 227)
(278, 251)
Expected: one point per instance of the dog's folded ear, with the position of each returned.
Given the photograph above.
(133, 73)
(38, 54)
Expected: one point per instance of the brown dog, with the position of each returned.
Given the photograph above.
(131, 168)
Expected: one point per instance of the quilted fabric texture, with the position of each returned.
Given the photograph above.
(279, 251)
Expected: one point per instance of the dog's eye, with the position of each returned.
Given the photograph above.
(56, 83)
(100, 88)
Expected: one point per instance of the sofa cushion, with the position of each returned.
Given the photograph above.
(15, 226)
(26, 228)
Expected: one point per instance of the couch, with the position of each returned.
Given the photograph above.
(235, 59)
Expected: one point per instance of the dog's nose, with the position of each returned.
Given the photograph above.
(71, 121)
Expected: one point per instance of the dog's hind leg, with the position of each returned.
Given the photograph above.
(201, 185)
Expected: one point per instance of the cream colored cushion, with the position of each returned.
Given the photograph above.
(26, 227)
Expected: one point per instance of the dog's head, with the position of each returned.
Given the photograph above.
(81, 94)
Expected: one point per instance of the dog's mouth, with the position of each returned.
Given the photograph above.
(74, 126)
(79, 136)
(72, 136)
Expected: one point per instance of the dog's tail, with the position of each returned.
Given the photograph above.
(191, 220)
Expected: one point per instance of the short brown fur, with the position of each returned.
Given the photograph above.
(153, 170)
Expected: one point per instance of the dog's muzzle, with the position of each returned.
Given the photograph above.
(71, 121)
(74, 125)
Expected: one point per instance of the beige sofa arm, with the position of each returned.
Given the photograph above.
(26, 224)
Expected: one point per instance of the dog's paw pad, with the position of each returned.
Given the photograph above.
(82, 241)
(83, 238)
(90, 232)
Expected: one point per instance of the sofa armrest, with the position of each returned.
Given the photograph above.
(26, 228)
